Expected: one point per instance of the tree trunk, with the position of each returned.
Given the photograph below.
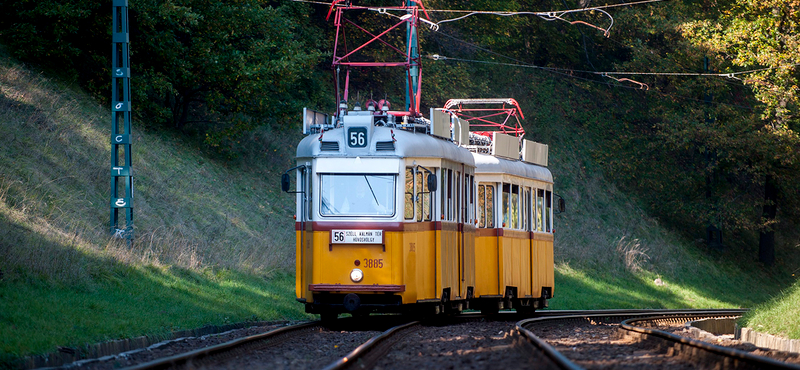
(766, 243)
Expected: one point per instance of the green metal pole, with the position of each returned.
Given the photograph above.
(121, 173)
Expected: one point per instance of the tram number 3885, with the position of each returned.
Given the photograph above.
(373, 263)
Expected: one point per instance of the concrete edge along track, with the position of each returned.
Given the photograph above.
(638, 324)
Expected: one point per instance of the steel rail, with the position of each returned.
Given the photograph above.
(746, 358)
(370, 347)
(202, 353)
(562, 362)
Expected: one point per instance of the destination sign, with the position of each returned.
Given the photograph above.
(356, 236)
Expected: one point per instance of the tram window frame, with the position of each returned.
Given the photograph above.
(526, 209)
(481, 205)
(486, 206)
(548, 210)
(443, 194)
(410, 204)
(332, 191)
(457, 209)
(449, 216)
(544, 211)
(514, 207)
(469, 197)
(539, 210)
(490, 211)
(505, 209)
(423, 197)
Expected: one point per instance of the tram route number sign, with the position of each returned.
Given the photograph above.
(357, 137)
(356, 236)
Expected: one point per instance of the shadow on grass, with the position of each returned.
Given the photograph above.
(579, 290)
(102, 299)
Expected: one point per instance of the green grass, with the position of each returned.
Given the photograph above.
(214, 238)
(778, 316)
(137, 301)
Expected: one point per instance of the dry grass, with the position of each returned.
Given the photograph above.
(189, 212)
(632, 253)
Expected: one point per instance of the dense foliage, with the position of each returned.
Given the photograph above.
(701, 151)
(219, 69)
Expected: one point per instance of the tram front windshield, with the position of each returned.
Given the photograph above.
(357, 194)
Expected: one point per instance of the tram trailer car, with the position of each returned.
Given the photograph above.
(514, 242)
(391, 218)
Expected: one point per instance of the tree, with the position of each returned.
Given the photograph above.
(67, 38)
(219, 68)
(225, 66)
(764, 35)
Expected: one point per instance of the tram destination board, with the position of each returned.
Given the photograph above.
(356, 236)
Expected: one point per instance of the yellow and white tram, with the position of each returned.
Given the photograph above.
(398, 215)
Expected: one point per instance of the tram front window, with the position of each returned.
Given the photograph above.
(357, 195)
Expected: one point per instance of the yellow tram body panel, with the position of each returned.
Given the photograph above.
(412, 259)
(420, 262)
(542, 260)
(468, 275)
(487, 281)
(332, 263)
(448, 255)
(517, 259)
(515, 267)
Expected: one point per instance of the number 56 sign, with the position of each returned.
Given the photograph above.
(357, 137)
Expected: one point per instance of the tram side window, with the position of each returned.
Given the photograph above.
(545, 215)
(515, 207)
(490, 206)
(443, 193)
(449, 216)
(548, 208)
(481, 205)
(424, 202)
(310, 189)
(526, 210)
(539, 212)
(469, 199)
(409, 210)
(505, 200)
(486, 206)
(457, 210)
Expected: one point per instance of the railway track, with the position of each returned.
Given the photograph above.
(631, 339)
(551, 339)
(305, 345)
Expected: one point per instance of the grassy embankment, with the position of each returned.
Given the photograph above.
(612, 254)
(214, 238)
(778, 316)
(213, 244)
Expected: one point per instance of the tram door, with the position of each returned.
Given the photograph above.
(466, 276)
(304, 231)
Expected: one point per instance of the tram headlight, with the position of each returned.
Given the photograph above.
(356, 275)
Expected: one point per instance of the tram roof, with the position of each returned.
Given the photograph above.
(407, 144)
(485, 163)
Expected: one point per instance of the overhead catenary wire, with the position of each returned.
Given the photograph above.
(562, 72)
(546, 15)
(613, 73)
(550, 16)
